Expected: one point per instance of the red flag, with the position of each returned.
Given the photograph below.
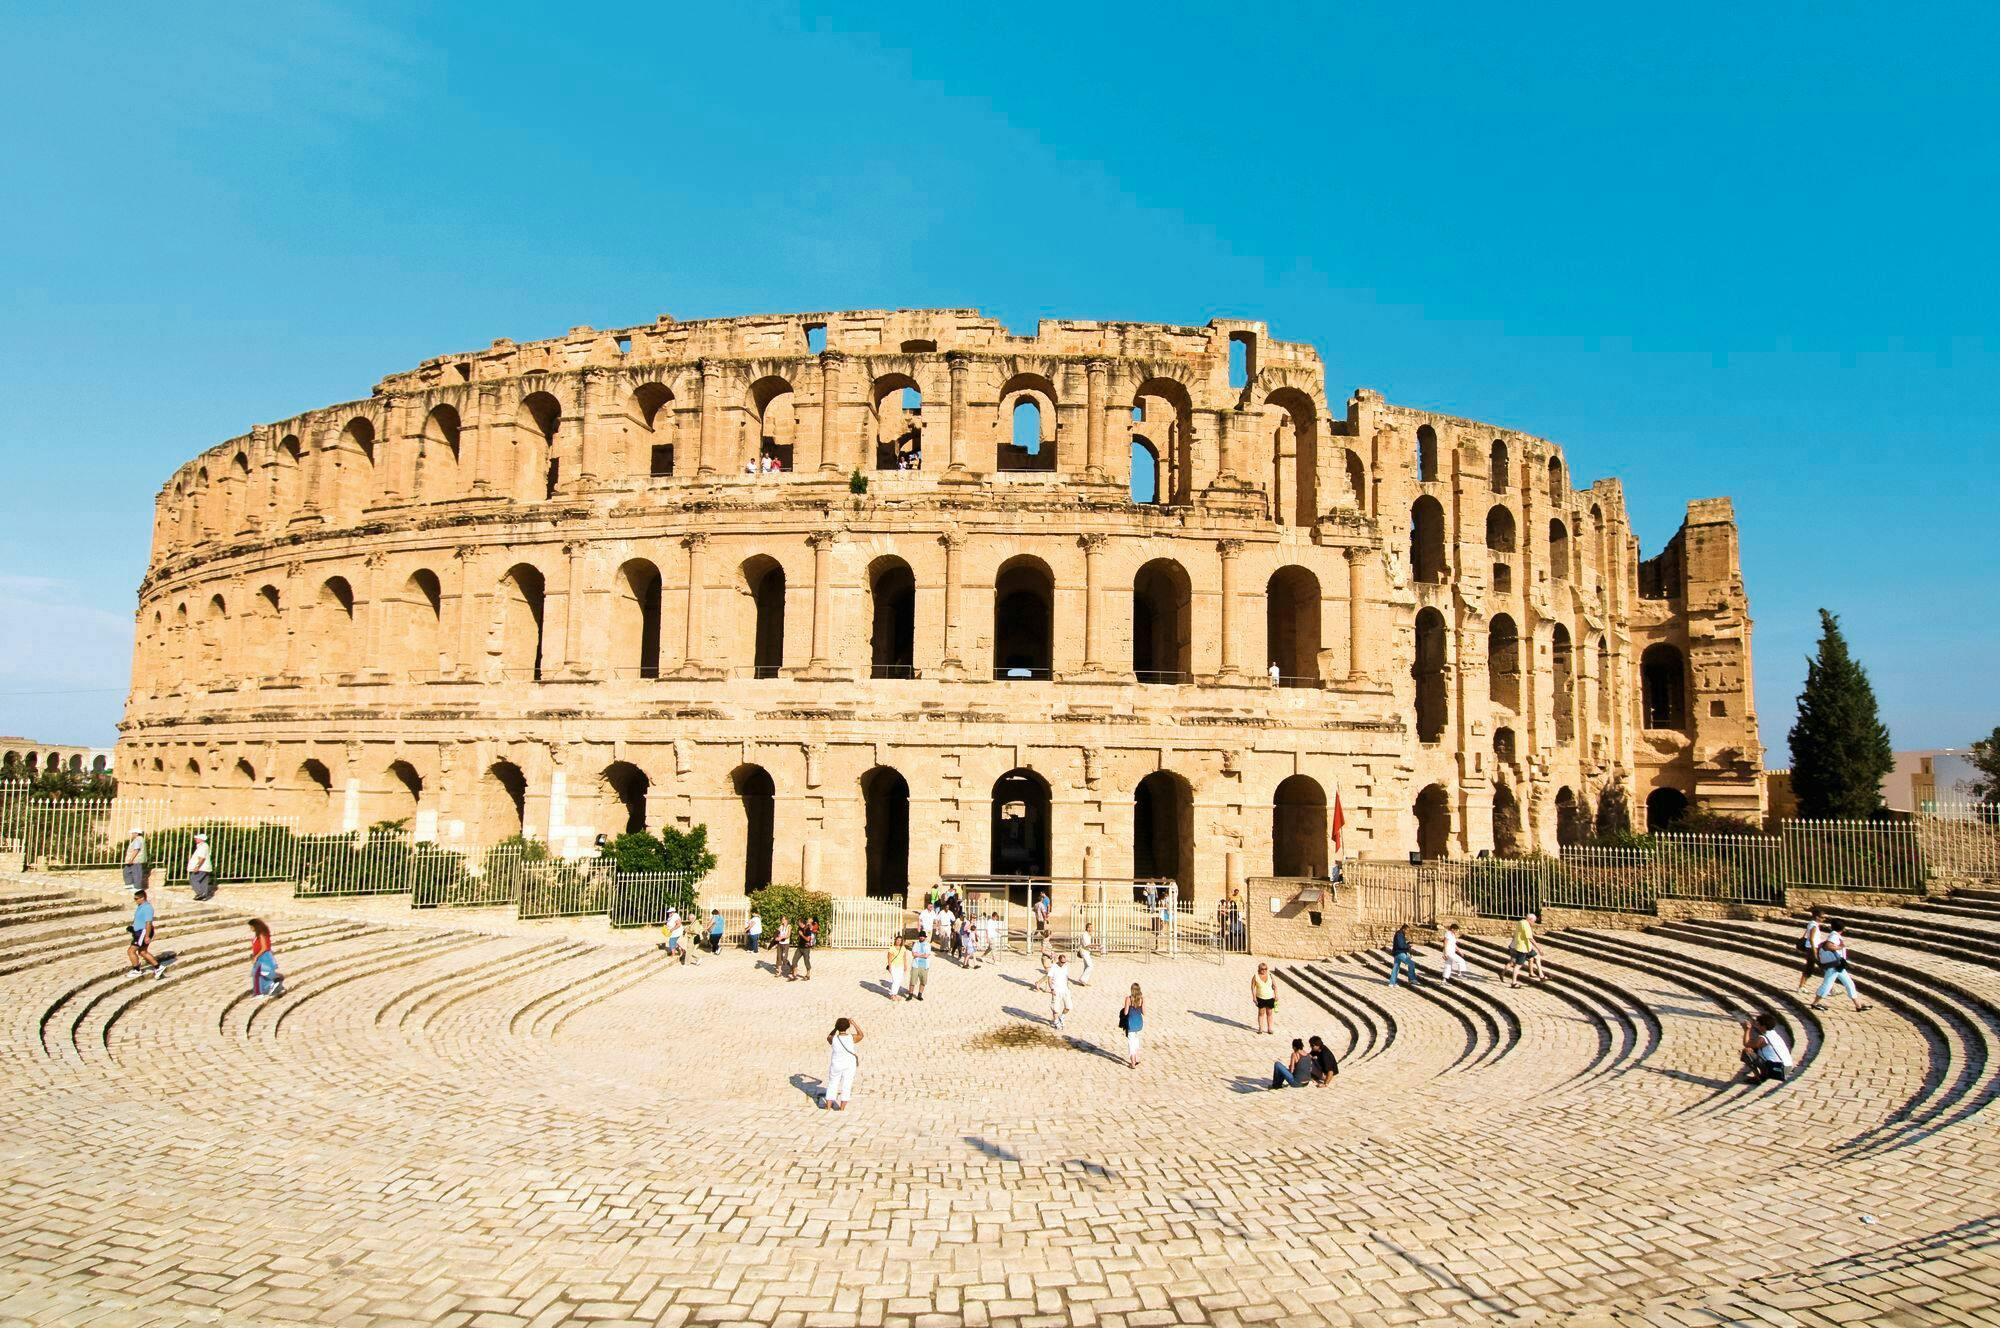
(1339, 820)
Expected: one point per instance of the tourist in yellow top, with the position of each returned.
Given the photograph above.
(1264, 994)
(1521, 952)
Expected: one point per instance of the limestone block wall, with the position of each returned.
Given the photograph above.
(623, 578)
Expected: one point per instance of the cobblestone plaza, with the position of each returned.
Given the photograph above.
(488, 1124)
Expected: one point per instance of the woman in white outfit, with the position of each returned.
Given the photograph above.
(1454, 962)
(842, 1061)
(1059, 1002)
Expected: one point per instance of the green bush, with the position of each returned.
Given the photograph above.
(857, 482)
(775, 903)
(687, 851)
(637, 851)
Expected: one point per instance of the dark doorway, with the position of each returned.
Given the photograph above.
(893, 633)
(1020, 845)
(759, 797)
(1023, 618)
(1433, 811)
(1299, 828)
(1665, 809)
(887, 797)
(1163, 831)
(1160, 623)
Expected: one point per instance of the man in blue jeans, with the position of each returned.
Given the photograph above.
(1294, 1072)
(1401, 958)
(715, 933)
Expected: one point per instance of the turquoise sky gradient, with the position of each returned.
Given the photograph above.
(1743, 250)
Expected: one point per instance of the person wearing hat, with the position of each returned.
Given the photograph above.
(199, 874)
(135, 860)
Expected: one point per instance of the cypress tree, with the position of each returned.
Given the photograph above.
(1840, 748)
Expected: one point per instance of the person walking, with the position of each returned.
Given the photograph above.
(1264, 997)
(265, 979)
(781, 963)
(1521, 952)
(755, 931)
(201, 877)
(1809, 946)
(1296, 1070)
(140, 952)
(1324, 1065)
(676, 937)
(1087, 952)
(842, 1062)
(1059, 1002)
(1042, 913)
(803, 947)
(135, 860)
(715, 930)
(1765, 1053)
(1400, 957)
(1454, 960)
(1132, 1018)
(1832, 956)
(920, 966)
(968, 943)
(896, 961)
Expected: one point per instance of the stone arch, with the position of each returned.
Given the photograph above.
(1292, 626)
(1663, 688)
(239, 491)
(1299, 828)
(1558, 490)
(650, 418)
(1505, 748)
(1163, 831)
(625, 788)
(334, 620)
(288, 475)
(892, 618)
(1508, 840)
(1021, 842)
(885, 798)
(1563, 667)
(1167, 410)
(1024, 592)
(774, 408)
(422, 614)
(635, 620)
(503, 802)
(1603, 680)
(1503, 662)
(1145, 486)
(1427, 542)
(1294, 439)
(1558, 551)
(406, 791)
(316, 782)
(1427, 670)
(1357, 479)
(1665, 809)
(1427, 454)
(438, 451)
(523, 593)
(763, 619)
(1496, 466)
(1162, 623)
(1433, 814)
(1500, 543)
(537, 423)
(899, 424)
(1028, 415)
(1572, 818)
(268, 635)
(215, 642)
(757, 796)
(356, 449)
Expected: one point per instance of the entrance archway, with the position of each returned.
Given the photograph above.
(1020, 834)
(1163, 830)
(886, 798)
(1433, 812)
(1299, 828)
(759, 797)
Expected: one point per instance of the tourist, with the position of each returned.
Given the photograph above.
(200, 875)
(968, 943)
(1765, 1054)
(1454, 960)
(1275, 674)
(803, 947)
(1042, 910)
(1167, 918)
(896, 961)
(993, 933)
(1059, 1002)
(1324, 1065)
(920, 966)
(1264, 996)
(1809, 946)
(1521, 952)
(676, 936)
(265, 979)
(1084, 952)
(1044, 961)
(715, 930)
(1296, 1070)
(1400, 957)
(755, 930)
(1132, 1018)
(927, 920)
(140, 952)
(1832, 956)
(260, 941)
(842, 1061)
(135, 860)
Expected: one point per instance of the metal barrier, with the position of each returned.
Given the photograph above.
(563, 889)
(1854, 855)
(1961, 839)
(446, 878)
(859, 924)
(351, 864)
(241, 850)
(76, 834)
(642, 899)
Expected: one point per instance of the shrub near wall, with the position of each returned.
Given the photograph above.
(775, 903)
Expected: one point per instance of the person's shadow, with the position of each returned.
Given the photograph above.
(1224, 1021)
(1091, 1048)
(1019, 982)
(1018, 1013)
(1248, 1083)
(813, 1088)
(878, 987)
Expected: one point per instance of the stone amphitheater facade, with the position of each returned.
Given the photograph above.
(1112, 600)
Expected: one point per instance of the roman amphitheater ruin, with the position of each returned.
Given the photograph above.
(877, 596)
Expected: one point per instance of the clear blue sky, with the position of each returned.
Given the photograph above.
(1745, 250)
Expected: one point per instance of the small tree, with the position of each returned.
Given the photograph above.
(1986, 760)
(637, 851)
(1614, 813)
(1840, 747)
(686, 851)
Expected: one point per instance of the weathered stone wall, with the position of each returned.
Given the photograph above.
(534, 588)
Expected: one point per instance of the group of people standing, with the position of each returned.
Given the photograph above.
(137, 864)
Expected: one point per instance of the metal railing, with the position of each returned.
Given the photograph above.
(447, 878)
(1961, 839)
(859, 924)
(562, 889)
(76, 834)
(642, 899)
(241, 850)
(349, 864)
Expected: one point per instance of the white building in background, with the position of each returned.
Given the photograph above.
(1940, 776)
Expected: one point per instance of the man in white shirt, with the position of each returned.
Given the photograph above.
(200, 878)
(1059, 1004)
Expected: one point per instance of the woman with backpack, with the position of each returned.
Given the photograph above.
(1132, 1018)
(1832, 957)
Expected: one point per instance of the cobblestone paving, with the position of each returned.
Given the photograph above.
(457, 1122)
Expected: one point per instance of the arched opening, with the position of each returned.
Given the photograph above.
(1504, 747)
(538, 421)
(1665, 809)
(1428, 670)
(1500, 543)
(1572, 818)
(764, 583)
(1427, 541)
(776, 413)
(1558, 491)
(1028, 405)
(215, 639)
(758, 797)
(1145, 472)
(1023, 619)
(892, 629)
(242, 775)
(899, 422)
(1020, 836)
(1433, 813)
(1506, 822)
(1503, 662)
(1294, 457)
(1292, 626)
(1161, 623)
(423, 616)
(1663, 688)
(1558, 551)
(269, 632)
(1564, 666)
(437, 451)
(1168, 413)
(885, 795)
(504, 801)
(1357, 479)
(1496, 474)
(1163, 831)
(317, 782)
(652, 422)
(335, 637)
(521, 598)
(1299, 828)
(407, 786)
(239, 492)
(635, 630)
(627, 786)
(1427, 454)
(1603, 681)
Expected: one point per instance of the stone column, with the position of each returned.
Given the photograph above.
(951, 666)
(960, 365)
(1232, 670)
(1357, 600)
(594, 385)
(1094, 422)
(822, 632)
(460, 644)
(829, 411)
(296, 607)
(706, 447)
(691, 642)
(1093, 606)
(372, 610)
(572, 662)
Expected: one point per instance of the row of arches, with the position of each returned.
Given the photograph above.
(1507, 677)
(1498, 476)
(35, 762)
(1566, 561)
